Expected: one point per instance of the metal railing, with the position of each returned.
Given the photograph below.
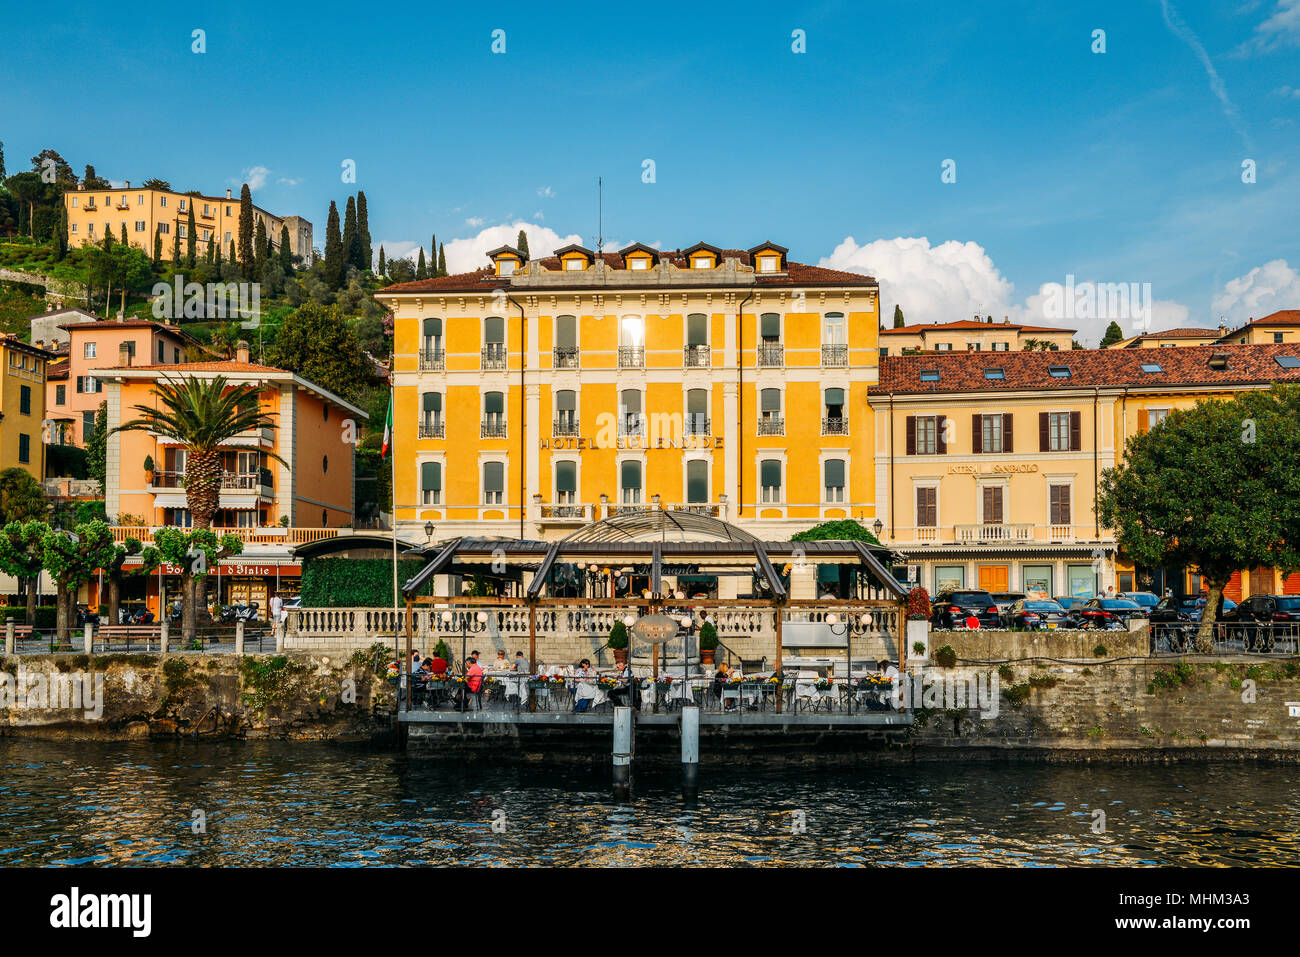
(564, 357)
(631, 424)
(1228, 638)
(240, 481)
(493, 356)
(771, 425)
(565, 512)
(838, 425)
(835, 355)
(493, 427)
(433, 430)
(771, 354)
(697, 423)
(696, 357)
(432, 360)
(631, 358)
(565, 425)
(998, 532)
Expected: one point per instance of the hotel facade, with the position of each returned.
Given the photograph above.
(534, 397)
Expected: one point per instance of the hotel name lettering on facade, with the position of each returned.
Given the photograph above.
(991, 469)
(582, 444)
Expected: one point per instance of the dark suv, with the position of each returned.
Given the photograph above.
(1109, 613)
(1263, 620)
(952, 608)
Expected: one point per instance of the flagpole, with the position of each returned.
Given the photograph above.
(392, 488)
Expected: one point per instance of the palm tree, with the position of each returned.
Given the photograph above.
(199, 415)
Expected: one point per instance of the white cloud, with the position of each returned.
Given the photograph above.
(1180, 29)
(1263, 290)
(1288, 91)
(255, 177)
(1279, 30)
(474, 221)
(539, 215)
(287, 181)
(464, 255)
(545, 192)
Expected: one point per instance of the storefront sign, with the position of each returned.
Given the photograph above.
(235, 569)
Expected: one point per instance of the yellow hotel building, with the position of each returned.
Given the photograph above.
(22, 405)
(986, 465)
(92, 212)
(535, 396)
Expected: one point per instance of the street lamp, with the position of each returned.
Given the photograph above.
(879, 526)
(428, 531)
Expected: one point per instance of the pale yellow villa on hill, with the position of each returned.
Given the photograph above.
(972, 335)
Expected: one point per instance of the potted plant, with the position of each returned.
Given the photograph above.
(918, 621)
(618, 643)
(708, 642)
(148, 468)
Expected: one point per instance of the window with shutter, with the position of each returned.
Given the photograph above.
(630, 482)
(940, 434)
(993, 505)
(566, 482)
(1007, 444)
(834, 480)
(431, 482)
(697, 333)
(770, 479)
(976, 434)
(697, 481)
(1059, 498)
(770, 327)
(494, 479)
(927, 507)
(1076, 431)
(911, 435)
(566, 332)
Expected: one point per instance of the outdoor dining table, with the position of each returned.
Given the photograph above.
(805, 689)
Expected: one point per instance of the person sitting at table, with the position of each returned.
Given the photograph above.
(626, 687)
(438, 665)
(720, 679)
(500, 664)
(415, 660)
(521, 663)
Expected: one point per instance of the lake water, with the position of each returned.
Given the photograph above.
(290, 804)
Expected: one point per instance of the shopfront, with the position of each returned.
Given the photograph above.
(232, 583)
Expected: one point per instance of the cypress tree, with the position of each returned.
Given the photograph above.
(176, 249)
(442, 261)
(333, 249)
(363, 230)
(383, 266)
(351, 237)
(157, 245)
(60, 234)
(421, 272)
(522, 244)
(899, 322)
(207, 253)
(286, 254)
(433, 255)
(190, 237)
(246, 232)
(232, 256)
(124, 240)
(259, 248)
(216, 254)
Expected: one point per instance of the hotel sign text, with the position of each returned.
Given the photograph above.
(581, 444)
(990, 470)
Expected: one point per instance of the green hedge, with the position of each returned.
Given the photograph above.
(353, 582)
(45, 616)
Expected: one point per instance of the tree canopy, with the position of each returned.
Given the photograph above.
(1113, 335)
(844, 529)
(316, 343)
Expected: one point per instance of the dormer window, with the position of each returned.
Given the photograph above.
(507, 259)
(702, 262)
(572, 264)
(639, 256)
(768, 257)
(768, 263)
(639, 262)
(1219, 360)
(574, 258)
(702, 256)
(505, 267)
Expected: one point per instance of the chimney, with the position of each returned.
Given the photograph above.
(128, 184)
(241, 351)
(227, 192)
(1223, 329)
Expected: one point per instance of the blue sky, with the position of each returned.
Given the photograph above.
(1123, 166)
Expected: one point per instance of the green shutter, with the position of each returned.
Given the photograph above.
(566, 477)
(697, 481)
(771, 400)
(631, 401)
(631, 475)
(494, 477)
(431, 476)
(697, 329)
(834, 396)
(433, 402)
(494, 402)
(770, 472)
(494, 329)
(566, 400)
(566, 332)
(834, 473)
(433, 328)
(771, 326)
(697, 400)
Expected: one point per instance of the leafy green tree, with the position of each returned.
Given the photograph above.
(72, 560)
(61, 236)
(442, 261)
(96, 445)
(2, 160)
(26, 188)
(259, 248)
(157, 245)
(334, 255)
(1214, 487)
(1113, 334)
(124, 241)
(154, 183)
(21, 497)
(400, 270)
(22, 555)
(899, 321)
(844, 529)
(196, 552)
(64, 177)
(421, 270)
(176, 250)
(115, 572)
(92, 181)
(245, 232)
(191, 236)
(316, 343)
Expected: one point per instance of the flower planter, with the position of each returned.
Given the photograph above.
(918, 631)
(706, 656)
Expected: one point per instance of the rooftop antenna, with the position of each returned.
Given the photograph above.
(600, 221)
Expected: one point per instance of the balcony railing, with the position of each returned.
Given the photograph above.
(993, 533)
(90, 207)
(123, 205)
(771, 425)
(697, 423)
(564, 425)
(696, 357)
(238, 481)
(700, 508)
(564, 513)
(835, 355)
(275, 535)
(631, 358)
(494, 427)
(433, 430)
(631, 424)
(494, 356)
(564, 357)
(432, 360)
(839, 425)
(771, 354)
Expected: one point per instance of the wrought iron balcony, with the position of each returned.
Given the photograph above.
(771, 425)
(631, 424)
(494, 356)
(435, 429)
(696, 357)
(565, 425)
(835, 355)
(697, 423)
(432, 359)
(564, 513)
(837, 425)
(564, 357)
(771, 354)
(633, 358)
(493, 427)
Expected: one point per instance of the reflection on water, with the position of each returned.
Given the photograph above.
(287, 804)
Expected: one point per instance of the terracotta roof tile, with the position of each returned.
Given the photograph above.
(1182, 332)
(1106, 368)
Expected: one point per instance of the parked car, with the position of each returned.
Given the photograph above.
(1114, 613)
(1146, 599)
(1072, 607)
(1004, 600)
(1187, 608)
(1036, 614)
(951, 608)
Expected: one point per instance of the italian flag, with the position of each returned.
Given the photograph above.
(388, 429)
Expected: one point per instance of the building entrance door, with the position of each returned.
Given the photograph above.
(993, 577)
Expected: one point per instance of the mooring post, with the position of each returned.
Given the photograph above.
(9, 636)
(690, 749)
(239, 637)
(88, 637)
(164, 632)
(622, 752)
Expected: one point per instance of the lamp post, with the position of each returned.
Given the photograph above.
(832, 620)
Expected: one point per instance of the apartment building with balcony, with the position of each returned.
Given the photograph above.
(146, 212)
(987, 464)
(73, 392)
(22, 405)
(533, 396)
(972, 335)
(312, 487)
